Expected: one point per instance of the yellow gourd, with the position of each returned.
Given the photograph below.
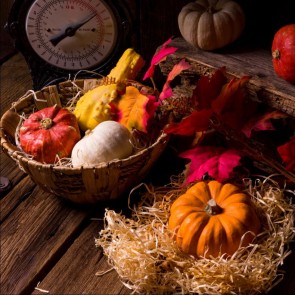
(94, 106)
(128, 66)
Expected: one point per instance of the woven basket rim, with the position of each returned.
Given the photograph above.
(16, 154)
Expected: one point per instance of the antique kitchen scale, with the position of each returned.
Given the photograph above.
(60, 38)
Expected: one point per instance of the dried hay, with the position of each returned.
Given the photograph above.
(147, 260)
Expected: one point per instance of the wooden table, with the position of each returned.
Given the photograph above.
(43, 238)
(47, 244)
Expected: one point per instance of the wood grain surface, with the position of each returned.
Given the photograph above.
(47, 244)
(38, 229)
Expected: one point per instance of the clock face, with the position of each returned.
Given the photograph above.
(72, 34)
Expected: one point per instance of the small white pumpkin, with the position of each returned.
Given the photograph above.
(211, 24)
(109, 140)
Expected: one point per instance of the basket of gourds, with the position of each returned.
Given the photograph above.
(80, 140)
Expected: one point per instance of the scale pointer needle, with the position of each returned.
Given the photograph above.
(71, 30)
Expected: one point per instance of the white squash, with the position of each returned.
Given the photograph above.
(109, 140)
(211, 24)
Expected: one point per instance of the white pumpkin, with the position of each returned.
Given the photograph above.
(211, 24)
(109, 140)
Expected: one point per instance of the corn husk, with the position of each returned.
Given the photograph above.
(142, 250)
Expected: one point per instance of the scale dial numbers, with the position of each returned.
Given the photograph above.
(72, 34)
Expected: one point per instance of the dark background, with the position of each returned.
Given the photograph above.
(263, 19)
(154, 21)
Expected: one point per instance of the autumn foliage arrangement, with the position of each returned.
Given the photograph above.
(230, 109)
(220, 109)
(223, 124)
(201, 233)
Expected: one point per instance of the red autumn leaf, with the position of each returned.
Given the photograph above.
(158, 57)
(217, 162)
(287, 154)
(176, 70)
(197, 121)
(151, 107)
(231, 104)
(225, 100)
(208, 88)
(262, 122)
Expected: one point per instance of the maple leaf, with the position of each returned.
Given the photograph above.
(134, 109)
(217, 162)
(208, 89)
(176, 70)
(262, 122)
(197, 121)
(287, 153)
(159, 56)
(227, 100)
(231, 105)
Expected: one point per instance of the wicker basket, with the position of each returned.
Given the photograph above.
(103, 182)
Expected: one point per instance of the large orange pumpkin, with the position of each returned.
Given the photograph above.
(212, 219)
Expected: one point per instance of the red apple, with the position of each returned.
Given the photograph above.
(283, 53)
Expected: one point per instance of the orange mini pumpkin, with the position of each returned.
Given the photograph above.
(212, 218)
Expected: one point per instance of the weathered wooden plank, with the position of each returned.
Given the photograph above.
(12, 88)
(34, 237)
(264, 85)
(10, 169)
(78, 276)
(8, 203)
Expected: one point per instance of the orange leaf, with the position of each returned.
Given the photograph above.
(134, 109)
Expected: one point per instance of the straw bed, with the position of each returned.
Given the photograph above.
(102, 182)
(142, 251)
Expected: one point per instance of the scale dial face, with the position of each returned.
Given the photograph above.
(72, 34)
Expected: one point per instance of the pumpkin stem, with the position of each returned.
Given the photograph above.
(212, 208)
(276, 54)
(211, 9)
(46, 123)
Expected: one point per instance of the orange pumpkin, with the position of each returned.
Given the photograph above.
(212, 219)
